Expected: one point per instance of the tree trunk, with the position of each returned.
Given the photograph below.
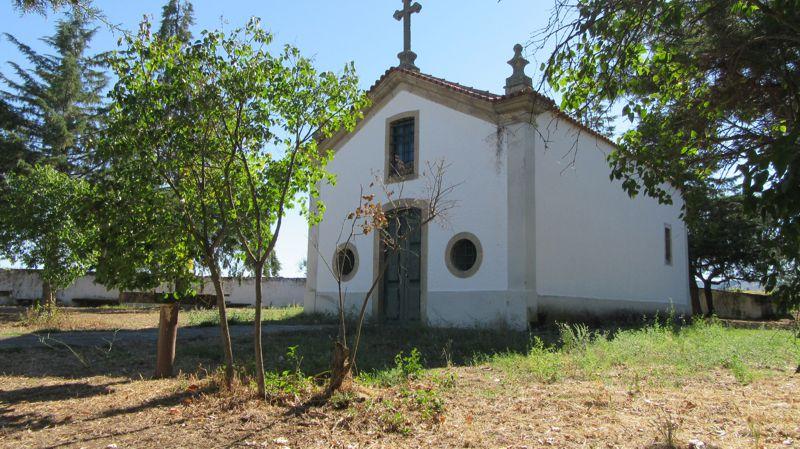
(340, 367)
(694, 291)
(259, 269)
(167, 336)
(223, 326)
(709, 297)
(48, 296)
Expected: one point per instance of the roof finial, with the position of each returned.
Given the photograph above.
(407, 57)
(518, 81)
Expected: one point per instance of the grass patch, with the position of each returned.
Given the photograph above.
(283, 315)
(657, 352)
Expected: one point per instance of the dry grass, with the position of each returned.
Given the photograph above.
(485, 409)
(122, 318)
(49, 399)
(74, 319)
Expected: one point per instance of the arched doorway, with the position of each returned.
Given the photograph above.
(402, 280)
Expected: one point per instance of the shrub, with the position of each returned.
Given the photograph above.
(574, 337)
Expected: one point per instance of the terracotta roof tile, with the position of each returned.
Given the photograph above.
(489, 96)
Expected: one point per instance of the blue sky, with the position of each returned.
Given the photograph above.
(463, 41)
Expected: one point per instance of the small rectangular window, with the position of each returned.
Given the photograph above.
(667, 245)
(402, 147)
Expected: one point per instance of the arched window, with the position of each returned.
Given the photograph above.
(402, 146)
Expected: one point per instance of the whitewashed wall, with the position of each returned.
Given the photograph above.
(593, 242)
(558, 239)
(477, 164)
(26, 285)
(277, 292)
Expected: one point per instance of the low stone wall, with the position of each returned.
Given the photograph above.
(742, 306)
(24, 286)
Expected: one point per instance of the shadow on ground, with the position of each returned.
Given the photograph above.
(123, 355)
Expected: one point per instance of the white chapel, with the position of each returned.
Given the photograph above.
(537, 233)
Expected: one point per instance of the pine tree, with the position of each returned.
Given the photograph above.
(57, 105)
(176, 18)
(49, 118)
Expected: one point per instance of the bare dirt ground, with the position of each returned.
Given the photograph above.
(484, 410)
(12, 322)
(73, 319)
(476, 390)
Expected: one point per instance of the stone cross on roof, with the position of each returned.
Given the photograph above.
(407, 57)
(518, 81)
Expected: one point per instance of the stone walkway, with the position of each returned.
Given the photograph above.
(97, 338)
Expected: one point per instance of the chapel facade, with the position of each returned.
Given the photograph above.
(538, 231)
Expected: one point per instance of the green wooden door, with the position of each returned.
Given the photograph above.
(402, 280)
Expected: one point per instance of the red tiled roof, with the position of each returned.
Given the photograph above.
(471, 91)
(489, 96)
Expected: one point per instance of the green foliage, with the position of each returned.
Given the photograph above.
(409, 366)
(726, 243)
(57, 105)
(290, 381)
(542, 363)
(283, 315)
(176, 18)
(47, 222)
(406, 367)
(341, 400)
(394, 421)
(42, 6)
(660, 354)
(426, 400)
(222, 133)
(739, 370)
(50, 116)
(574, 337)
(39, 315)
(708, 86)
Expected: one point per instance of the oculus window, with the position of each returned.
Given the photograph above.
(463, 255)
(345, 261)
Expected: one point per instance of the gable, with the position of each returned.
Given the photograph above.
(495, 109)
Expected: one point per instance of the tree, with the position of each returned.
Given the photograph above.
(160, 131)
(176, 18)
(203, 124)
(58, 103)
(12, 143)
(273, 265)
(44, 224)
(41, 6)
(370, 217)
(51, 117)
(271, 109)
(726, 244)
(709, 87)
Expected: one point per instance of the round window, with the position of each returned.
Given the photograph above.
(463, 255)
(346, 262)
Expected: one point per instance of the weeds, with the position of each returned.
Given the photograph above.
(427, 401)
(39, 315)
(406, 367)
(574, 337)
(394, 421)
(675, 353)
(285, 315)
(341, 400)
(755, 432)
(290, 381)
(666, 430)
(740, 371)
